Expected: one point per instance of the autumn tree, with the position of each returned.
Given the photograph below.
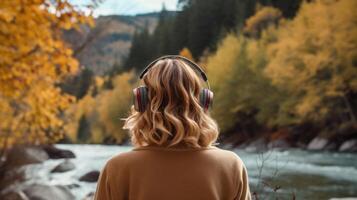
(83, 132)
(315, 59)
(33, 60)
(115, 105)
(244, 98)
(265, 16)
(102, 113)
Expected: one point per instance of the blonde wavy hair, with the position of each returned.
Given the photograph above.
(173, 115)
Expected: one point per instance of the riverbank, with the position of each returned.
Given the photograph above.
(23, 176)
(307, 137)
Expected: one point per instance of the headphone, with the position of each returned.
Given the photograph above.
(141, 97)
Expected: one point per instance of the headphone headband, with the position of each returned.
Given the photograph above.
(191, 63)
(141, 93)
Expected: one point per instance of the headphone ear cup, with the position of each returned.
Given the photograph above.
(206, 98)
(140, 98)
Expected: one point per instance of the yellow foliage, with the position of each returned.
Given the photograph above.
(264, 17)
(219, 68)
(104, 111)
(236, 77)
(314, 56)
(99, 81)
(86, 106)
(115, 105)
(33, 60)
(220, 64)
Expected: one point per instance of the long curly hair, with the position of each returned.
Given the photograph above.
(173, 115)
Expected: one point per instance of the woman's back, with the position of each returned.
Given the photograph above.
(174, 135)
(155, 173)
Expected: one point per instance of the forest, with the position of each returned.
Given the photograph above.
(281, 71)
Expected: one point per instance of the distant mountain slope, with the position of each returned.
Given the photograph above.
(109, 42)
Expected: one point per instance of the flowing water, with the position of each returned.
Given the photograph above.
(293, 173)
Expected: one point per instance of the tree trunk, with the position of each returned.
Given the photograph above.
(349, 108)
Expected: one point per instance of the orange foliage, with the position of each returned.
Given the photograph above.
(185, 52)
(33, 60)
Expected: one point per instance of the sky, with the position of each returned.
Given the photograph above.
(129, 7)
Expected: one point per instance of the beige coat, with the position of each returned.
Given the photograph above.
(161, 173)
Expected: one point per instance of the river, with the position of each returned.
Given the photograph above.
(305, 175)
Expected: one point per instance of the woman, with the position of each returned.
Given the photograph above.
(174, 155)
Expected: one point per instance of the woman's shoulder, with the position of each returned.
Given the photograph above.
(229, 155)
(141, 154)
(121, 159)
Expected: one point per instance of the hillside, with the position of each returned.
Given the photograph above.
(109, 41)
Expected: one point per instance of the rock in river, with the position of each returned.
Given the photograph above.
(14, 195)
(89, 196)
(46, 192)
(38, 192)
(317, 144)
(19, 156)
(349, 146)
(90, 176)
(65, 166)
(56, 153)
